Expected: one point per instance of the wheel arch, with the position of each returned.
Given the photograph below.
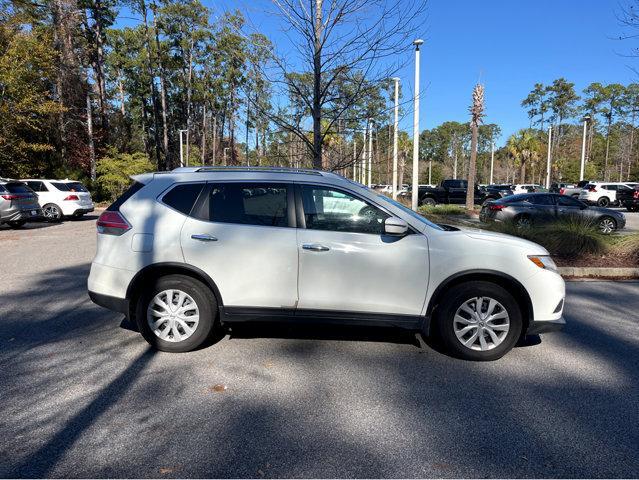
(512, 285)
(156, 270)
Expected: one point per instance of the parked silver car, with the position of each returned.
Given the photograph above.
(18, 203)
(527, 209)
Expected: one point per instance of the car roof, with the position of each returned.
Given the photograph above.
(66, 180)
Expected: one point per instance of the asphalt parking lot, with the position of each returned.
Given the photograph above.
(83, 396)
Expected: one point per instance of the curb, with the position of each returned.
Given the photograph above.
(598, 272)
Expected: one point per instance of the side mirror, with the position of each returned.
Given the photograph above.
(395, 226)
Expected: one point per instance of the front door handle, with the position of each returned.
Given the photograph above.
(204, 237)
(315, 247)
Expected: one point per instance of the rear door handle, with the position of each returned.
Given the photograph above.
(315, 247)
(204, 237)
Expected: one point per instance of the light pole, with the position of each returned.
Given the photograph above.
(430, 172)
(395, 128)
(548, 161)
(583, 149)
(362, 165)
(182, 149)
(415, 195)
(354, 159)
(492, 162)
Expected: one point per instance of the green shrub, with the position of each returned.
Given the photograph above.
(568, 237)
(114, 170)
(441, 210)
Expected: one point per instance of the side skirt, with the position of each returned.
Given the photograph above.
(231, 315)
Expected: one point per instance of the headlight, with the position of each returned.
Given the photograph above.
(543, 261)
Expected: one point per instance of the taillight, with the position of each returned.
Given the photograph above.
(635, 194)
(112, 223)
(592, 189)
(72, 197)
(561, 191)
(11, 197)
(496, 207)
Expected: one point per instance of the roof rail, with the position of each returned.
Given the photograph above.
(307, 171)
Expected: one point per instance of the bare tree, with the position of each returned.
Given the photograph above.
(341, 50)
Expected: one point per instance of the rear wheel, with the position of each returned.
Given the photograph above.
(176, 313)
(16, 223)
(478, 321)
(429, 201)
(52, 213)
(523, 222)
(607, 225)
(603, 202)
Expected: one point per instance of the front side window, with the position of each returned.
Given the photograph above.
(334, 210)
(248, 204)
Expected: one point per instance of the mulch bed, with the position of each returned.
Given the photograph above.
(600, 260)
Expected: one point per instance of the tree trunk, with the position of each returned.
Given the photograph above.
(214, 138)
(470, 191)
(90, 134)
(99, 64)
(203, 145)
(189, 89)
(522, 171)
(606, 178)
(317, 85)
(163, 102)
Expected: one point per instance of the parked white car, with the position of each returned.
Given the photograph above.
(61, 198)
(526, 188)
(604, 194)
(189, 252)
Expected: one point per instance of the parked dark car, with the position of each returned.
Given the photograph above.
(454, 191)
(18, 203)
(528, 209)
(558, 186)
(629, 198)
(501, 190)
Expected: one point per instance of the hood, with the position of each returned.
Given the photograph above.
(531, 247)
(607, 211)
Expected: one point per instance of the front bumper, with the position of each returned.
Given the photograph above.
(545, 326)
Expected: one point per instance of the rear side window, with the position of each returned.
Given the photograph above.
(63, 187)
(248, 204)
(132, 190)
(183, 197)
(542, 200)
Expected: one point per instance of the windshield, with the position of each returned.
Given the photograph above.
(409, 212)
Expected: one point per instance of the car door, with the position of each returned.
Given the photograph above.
(567, 206)
(457, 191)
(242, 234)
(542, 207)
(347, 263)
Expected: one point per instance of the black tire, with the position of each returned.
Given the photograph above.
(52, 213)
(455, 298)
(575, 195)
(16, 223)
(607, 225)
(206, 304)
(431, 202)
(603, 202)
(523, 222)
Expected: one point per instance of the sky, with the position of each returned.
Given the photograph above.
(508, 45)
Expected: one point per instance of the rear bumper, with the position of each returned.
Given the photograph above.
(112, 303)
(545, 326)
(71, 207)
(82, 211)
(16, 215)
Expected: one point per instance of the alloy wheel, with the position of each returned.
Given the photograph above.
(52, 212)
(481, 323)
(173, 315)
(607, 225)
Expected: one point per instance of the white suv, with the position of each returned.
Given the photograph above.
(188, 252)
(61, 198)
(604, 194)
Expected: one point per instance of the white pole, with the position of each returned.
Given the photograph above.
(354, 159)
(548, 161)
(370, 153)
(181, 149)
(492, 162)
(415, 195)
(362, 164)
(583, 153)
(395, 128)
(430, 172)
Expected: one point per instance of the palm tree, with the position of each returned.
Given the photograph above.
(523, 147)
(476, 114)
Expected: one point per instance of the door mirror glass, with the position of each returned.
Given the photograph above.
(395, 226)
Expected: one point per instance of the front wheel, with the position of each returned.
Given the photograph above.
(478, 321)
(603, 202)
(176, 313)
(607, 225)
